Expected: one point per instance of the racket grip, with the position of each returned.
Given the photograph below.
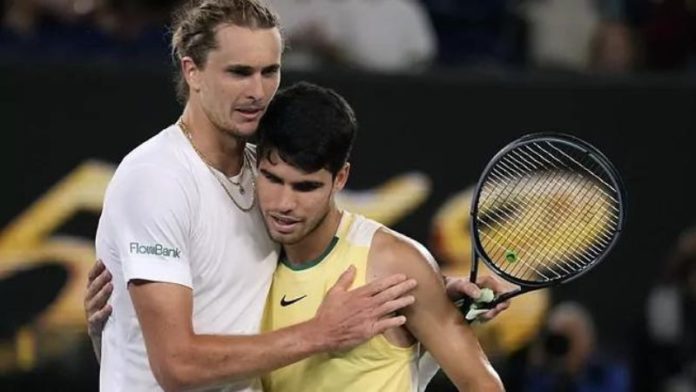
(472, 308)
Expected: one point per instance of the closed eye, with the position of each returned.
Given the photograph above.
(307, 186)
(271, 70)
(272, 178)
(240, 70)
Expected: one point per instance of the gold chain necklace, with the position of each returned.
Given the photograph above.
(246, 159)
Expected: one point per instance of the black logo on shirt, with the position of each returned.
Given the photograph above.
(284, 303)
(154, 249)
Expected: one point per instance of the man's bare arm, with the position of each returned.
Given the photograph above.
(181, 359)
(433, 319)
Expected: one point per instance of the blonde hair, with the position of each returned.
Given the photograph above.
(195, 23)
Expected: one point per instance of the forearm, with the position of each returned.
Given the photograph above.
(207, 360)
(181, 359)
(483, 379)
(452, 343)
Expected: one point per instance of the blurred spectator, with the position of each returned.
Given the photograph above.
(47, 29)
(561, 32)
(376, 35)
(668, 28)
(478, 32)
(77, 30)
(614, 48)
(565, 357)
(136, 29)
(665, 358)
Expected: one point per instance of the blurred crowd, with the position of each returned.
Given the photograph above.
(84, 30)
(607, 36)
(664, 357)
(566, 355)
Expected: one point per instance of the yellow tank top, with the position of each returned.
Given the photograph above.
(297, 292)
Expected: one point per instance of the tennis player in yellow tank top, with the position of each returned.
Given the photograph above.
(305, 140)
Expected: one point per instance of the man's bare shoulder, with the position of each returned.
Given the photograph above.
(392, 252)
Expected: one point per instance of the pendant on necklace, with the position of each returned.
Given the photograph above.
(241, 190)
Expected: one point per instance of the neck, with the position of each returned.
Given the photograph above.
(218, 147)
(315, 243)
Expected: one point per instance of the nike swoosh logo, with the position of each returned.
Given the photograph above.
(283, 302)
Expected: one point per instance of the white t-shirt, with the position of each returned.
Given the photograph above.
(166, 218)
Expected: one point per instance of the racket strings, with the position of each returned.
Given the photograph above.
(541, 235)
(554, 178)
(593, 173)
(552, 245)
(586, 206)
(509, 216)
(550, 207)
(547, 223)
(610, 191)
(579, 262)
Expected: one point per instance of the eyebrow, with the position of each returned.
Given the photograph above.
(316, 184)
(249, 69)
(268, 174)
(272, 67)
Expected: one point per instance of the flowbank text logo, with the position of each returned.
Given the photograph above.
(156, 249)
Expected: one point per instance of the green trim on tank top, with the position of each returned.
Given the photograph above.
(309, 263)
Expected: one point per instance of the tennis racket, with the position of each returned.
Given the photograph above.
(546, 210)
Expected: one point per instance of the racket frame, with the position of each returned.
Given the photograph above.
(476, 248)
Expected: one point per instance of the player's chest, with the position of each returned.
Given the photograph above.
(227, 243)
(297, 297)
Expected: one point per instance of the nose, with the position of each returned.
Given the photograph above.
(287, 202)
(255, 88)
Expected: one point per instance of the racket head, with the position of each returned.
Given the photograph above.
(547, 209)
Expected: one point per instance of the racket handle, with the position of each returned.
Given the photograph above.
(472, 308)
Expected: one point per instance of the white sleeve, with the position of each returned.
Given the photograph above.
(150, 212)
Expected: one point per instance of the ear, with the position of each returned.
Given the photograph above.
(341, 178)
(191, 73)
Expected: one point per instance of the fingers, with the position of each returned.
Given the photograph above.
(99, 288)
(458, 288)
(99, 300)
(97, 283)
(346, 279)
(384, 324)
(101, 316)
(497, 285)
(467, 288)
(491, 314)
(394, 305)
(97, 320)
(395, 291)
(383, 284)
(95, 271)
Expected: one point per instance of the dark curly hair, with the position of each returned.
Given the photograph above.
(310, 127)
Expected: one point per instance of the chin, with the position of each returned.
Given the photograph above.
(246, 129)
(285, 239)
(281, 239)
(241, 133)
